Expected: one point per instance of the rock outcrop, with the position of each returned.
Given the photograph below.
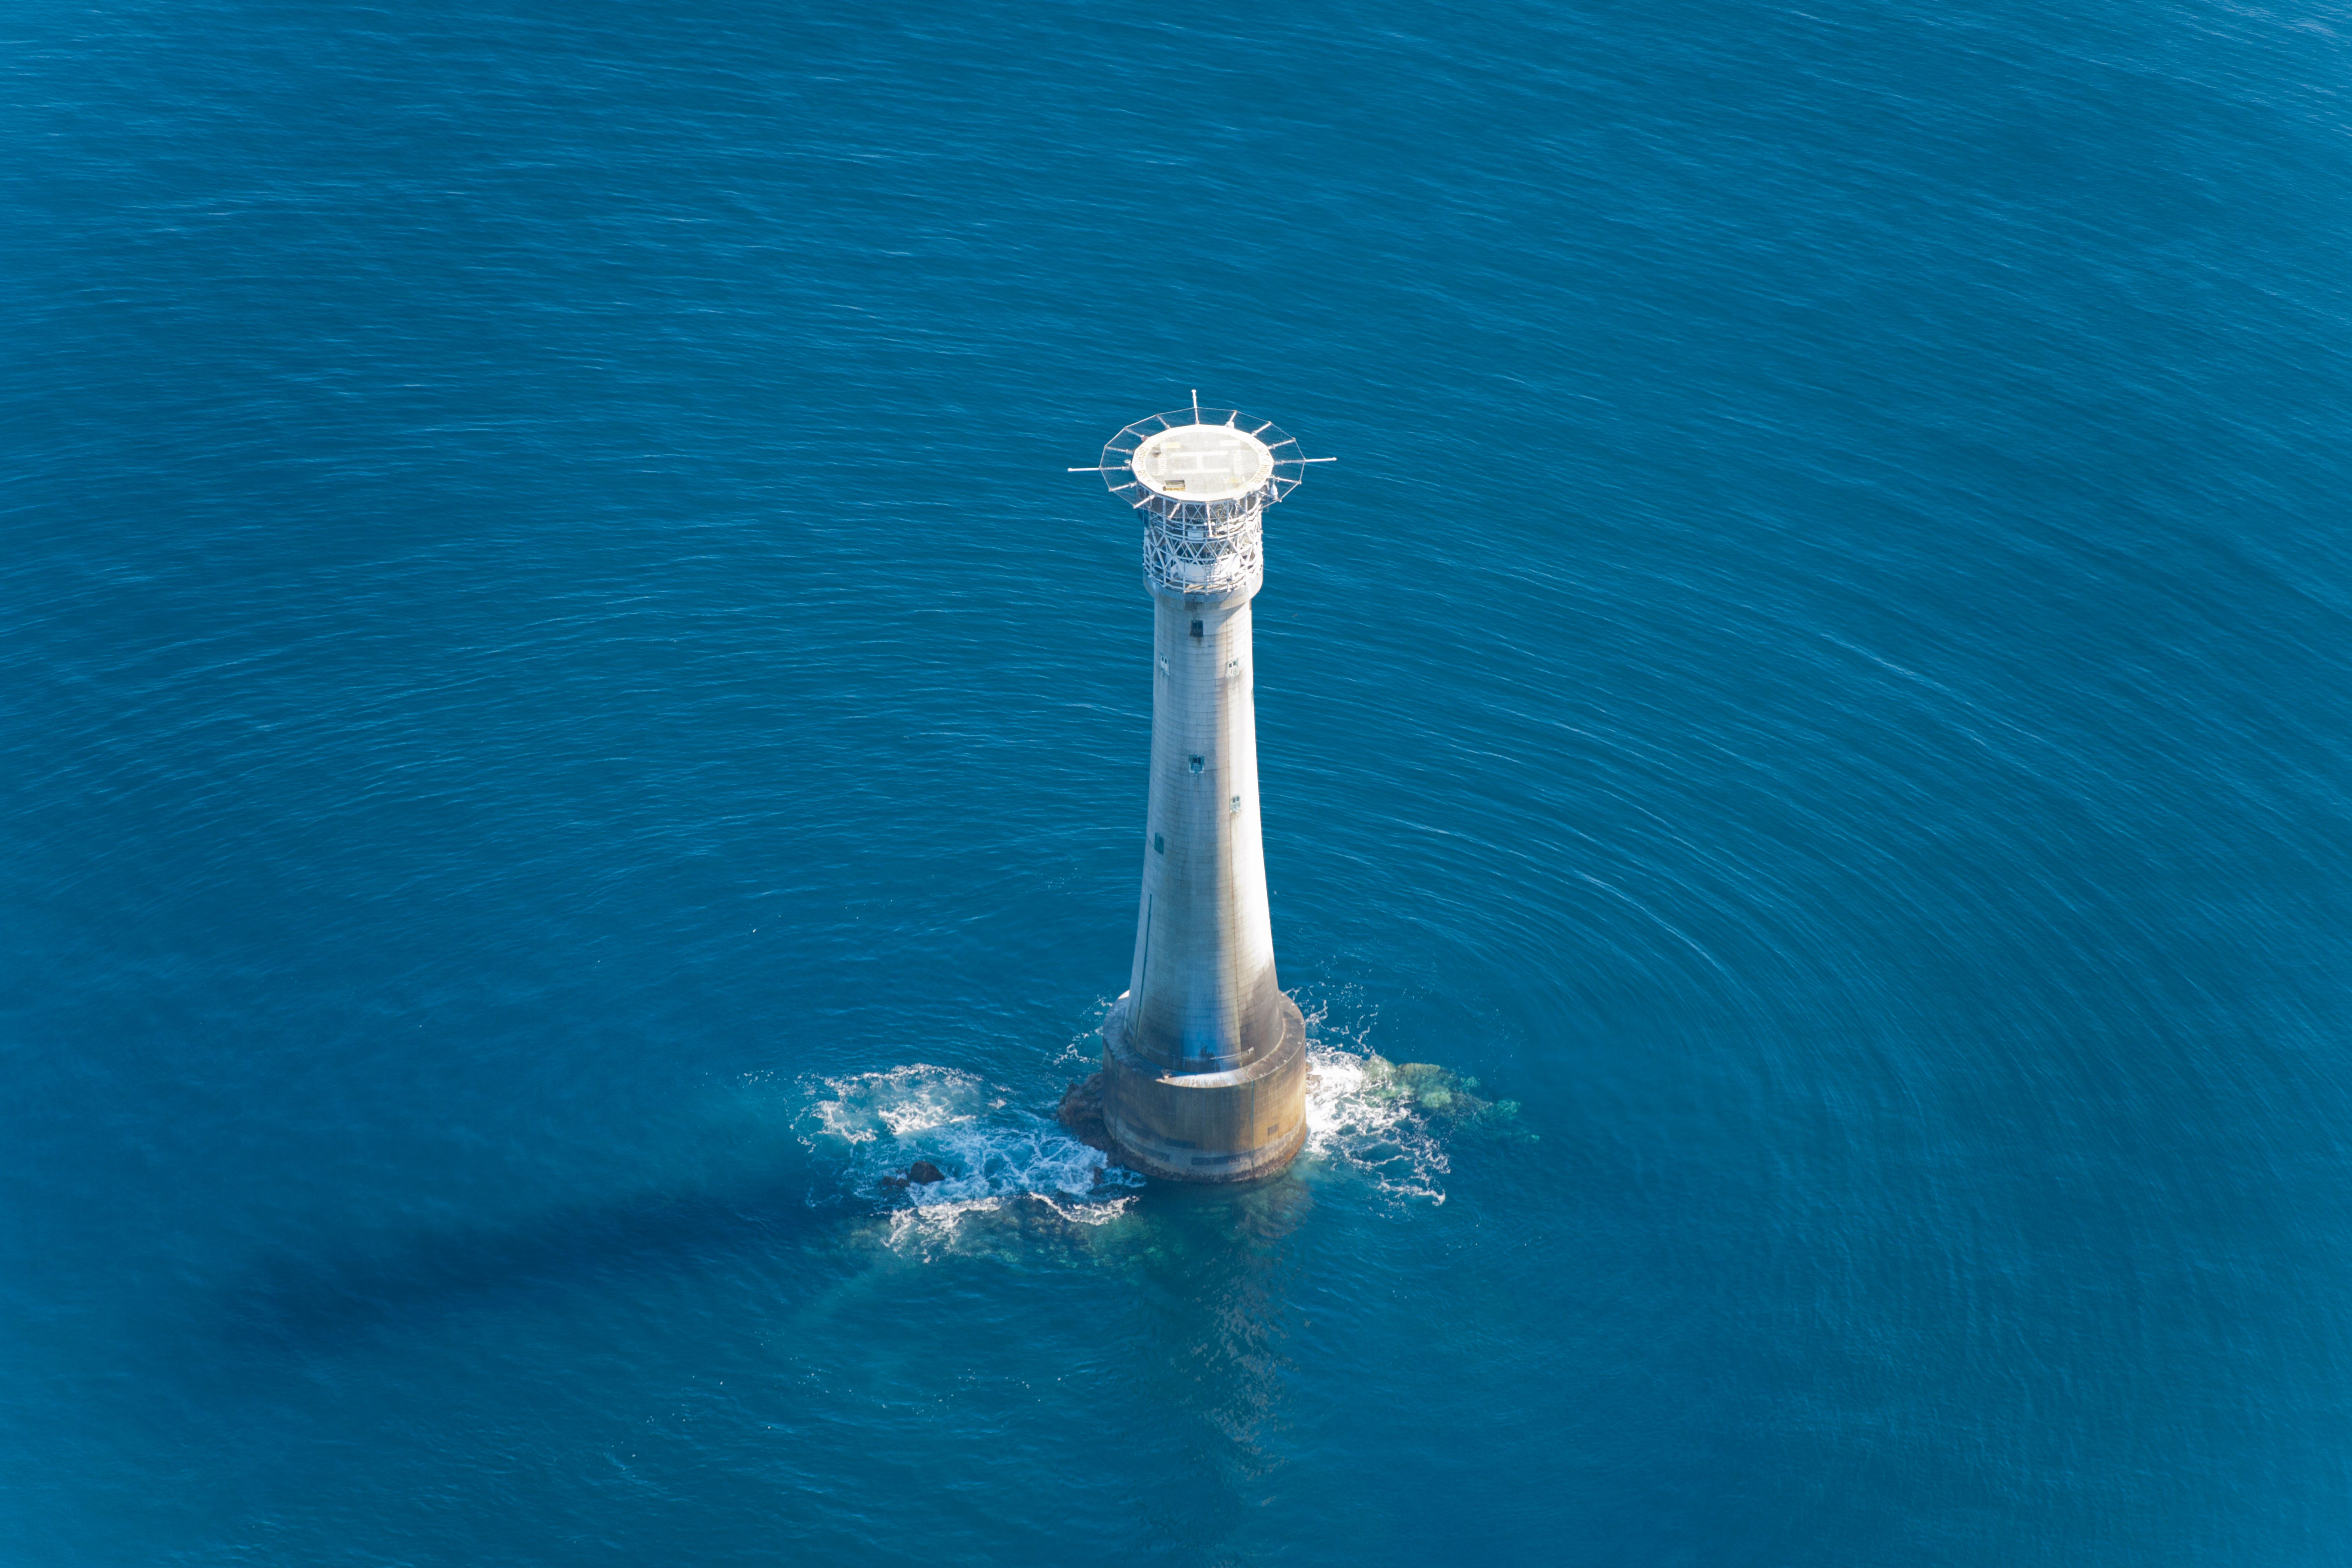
(1082, 1112)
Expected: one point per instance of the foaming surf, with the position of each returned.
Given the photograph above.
(1387, 1123)
(994, 1155)
(1390, 1121)
(1353, 1123)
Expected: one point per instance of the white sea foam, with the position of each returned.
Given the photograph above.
(1357, 1119)
(920, 1226)
(1000, 1158)
(992, 1152)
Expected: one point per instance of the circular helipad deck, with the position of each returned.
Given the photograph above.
(1203, 462)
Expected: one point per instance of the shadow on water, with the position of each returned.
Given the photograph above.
(331, 1297)
(349, 1286)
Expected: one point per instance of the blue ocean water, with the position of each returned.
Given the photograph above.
(562, 717)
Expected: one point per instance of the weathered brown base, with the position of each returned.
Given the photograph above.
(1238, 1126)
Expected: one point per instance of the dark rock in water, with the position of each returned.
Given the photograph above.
(1081, 1112)
(922, 1172)
(894, 1183)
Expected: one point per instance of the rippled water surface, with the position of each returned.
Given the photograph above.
(564, 722)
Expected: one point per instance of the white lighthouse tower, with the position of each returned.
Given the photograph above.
(1204, 1062)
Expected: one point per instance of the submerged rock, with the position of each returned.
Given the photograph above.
(1428, 1087)
(922, 1172)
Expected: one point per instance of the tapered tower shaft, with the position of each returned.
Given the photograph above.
(1203, 988)
(1204, 1057)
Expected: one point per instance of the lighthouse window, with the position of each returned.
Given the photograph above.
(1158, 845)
(1196, 628)
(1196, 764)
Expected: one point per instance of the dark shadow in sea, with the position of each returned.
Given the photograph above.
(324, 1299)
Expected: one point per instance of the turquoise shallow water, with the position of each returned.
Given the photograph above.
(563, 718)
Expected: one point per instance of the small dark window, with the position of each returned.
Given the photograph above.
(1196, 628)
(1196, 764)
(1158, 845)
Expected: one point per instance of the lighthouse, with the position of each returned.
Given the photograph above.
(1205, 1058)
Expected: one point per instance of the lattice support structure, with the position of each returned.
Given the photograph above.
(1202, 478)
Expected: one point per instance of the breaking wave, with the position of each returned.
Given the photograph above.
(993, 1154)
(1391, 1121)
(1388, 1124)
(1354, 1120)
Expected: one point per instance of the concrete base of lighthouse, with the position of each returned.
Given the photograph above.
(1236, 1126)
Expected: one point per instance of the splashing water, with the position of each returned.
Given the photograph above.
(1384, 1121)
(1392, 1121)
(992, 1152)
(1356, 1120)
